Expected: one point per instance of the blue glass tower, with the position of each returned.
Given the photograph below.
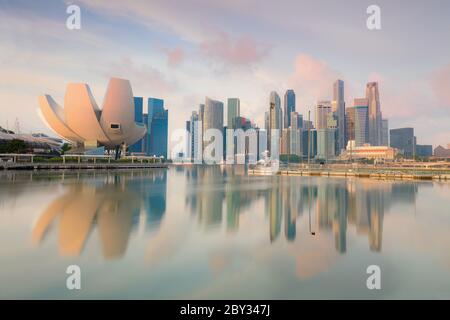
(157, 128)
(138, 117)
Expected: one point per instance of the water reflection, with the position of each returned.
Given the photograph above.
(116, 204)
(113, 204)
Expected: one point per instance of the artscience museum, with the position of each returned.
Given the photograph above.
(87, 126)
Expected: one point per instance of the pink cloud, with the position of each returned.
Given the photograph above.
(440, 83)
(240, 52)
(175, 57)
(312, 79)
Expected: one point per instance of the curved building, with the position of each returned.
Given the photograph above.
(83, 123)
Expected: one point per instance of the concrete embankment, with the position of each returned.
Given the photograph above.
(366, 174)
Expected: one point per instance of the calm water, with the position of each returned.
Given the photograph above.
(208, 232)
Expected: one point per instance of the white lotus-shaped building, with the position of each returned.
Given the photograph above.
(83, 123)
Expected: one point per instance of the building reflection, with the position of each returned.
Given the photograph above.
(112, 203)
(331, 205)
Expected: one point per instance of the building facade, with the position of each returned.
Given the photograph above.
(233, 111)
(289, 107)
(403, 139)
(157, 128)
(338, 108)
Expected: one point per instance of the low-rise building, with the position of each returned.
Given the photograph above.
(367, 151)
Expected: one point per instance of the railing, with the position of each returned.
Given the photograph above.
(16, 157)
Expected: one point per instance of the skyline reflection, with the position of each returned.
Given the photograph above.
(116, 204)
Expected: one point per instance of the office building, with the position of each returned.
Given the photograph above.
(289, 107)
(424, 150)
(157, 128)
(212, 117)
(338, 108)
(374, 113)
(139, 146)
(357, 122)
(384, 132)
(323, 108)
(326, 144)
(403, 139)
(233, 111)
(275, 119)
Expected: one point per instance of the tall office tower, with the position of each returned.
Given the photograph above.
(323, 108)
(326, 143)
(361, 119)
(138, 147)
(349, 124)
(404, 140)
(286, 141)
(201, 112)
(157, 128)
(194, 152)
(373, 98)
(296, 133)
(289, 107)
(275, 117)
(338, 108)
(233, 111)
(267, 120)
(212, 117)
(384, 132)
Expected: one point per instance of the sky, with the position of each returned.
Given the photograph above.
(182, 51)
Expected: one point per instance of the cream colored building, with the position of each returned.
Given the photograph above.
(83, 123)
(367, 151)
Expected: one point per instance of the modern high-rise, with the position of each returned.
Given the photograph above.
(194, 135)
(361, 121)
(384, 132)
(139, 146)
(275, 118)
(403, 139)
(157, 128)
(296, 133)
(233, 111)
(289, 107)
(373, 99)
(338, 108)
(212, 117)
(326, 143)
(323, 108)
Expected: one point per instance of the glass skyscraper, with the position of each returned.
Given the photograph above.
(289, 107)
(157, 128)
(233, 111)
(404, 140)
(138, 147)
(338, 108)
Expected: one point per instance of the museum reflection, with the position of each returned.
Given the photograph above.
(329, 205)
(113, 205)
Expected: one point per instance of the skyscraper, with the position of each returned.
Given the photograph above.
(373, 99)
(361, 118)
(212, 117)
(326, 143)
(194, 148)
(138, 147)
(296, 134)
(233, 111)
(157, 128)
(404, 140)
(275, 117)
(289, 107)
(338, 108)
(384, 132)
(323, 108)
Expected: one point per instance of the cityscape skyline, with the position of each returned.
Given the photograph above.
(183, 62)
